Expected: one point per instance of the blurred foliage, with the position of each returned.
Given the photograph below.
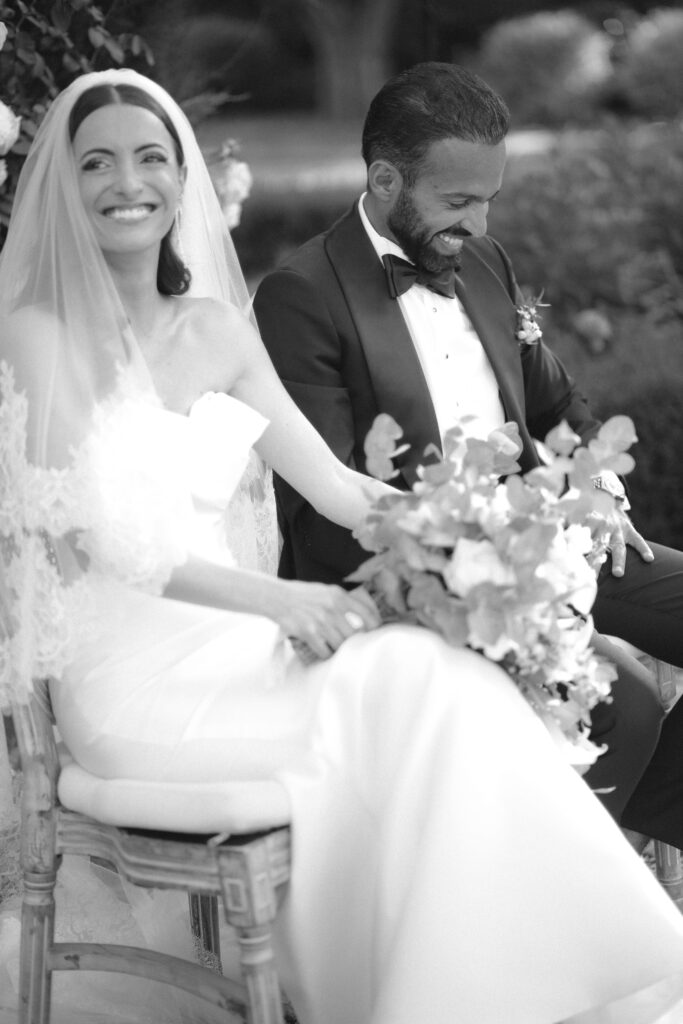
(49, 43)
(203, 51)
(278, 53)
(639, 374)
(268, 233)
(549, 66)
(648, 78)
(597, 221)
(562, 67)
(551, 61)
(656, 484)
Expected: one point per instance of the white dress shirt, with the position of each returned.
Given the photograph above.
(458, 373)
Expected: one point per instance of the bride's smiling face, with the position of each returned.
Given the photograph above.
(129, 177)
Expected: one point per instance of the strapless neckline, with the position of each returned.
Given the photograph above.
(138, 369)
(207, 396)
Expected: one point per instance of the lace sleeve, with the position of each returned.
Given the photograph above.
(38, 610)
(251, 521)
(120, 511)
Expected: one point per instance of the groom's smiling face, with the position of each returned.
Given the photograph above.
(448, 201)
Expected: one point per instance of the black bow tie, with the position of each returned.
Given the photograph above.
(402, 275)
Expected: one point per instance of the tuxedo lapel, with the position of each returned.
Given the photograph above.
(388, 348)
(492, 313)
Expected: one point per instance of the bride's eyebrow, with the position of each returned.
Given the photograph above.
(110, 152)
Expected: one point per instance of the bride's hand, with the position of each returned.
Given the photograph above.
(322, 616)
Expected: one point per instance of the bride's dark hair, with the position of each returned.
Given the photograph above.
(173, 277)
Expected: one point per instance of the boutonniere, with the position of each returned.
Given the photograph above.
(528, 331)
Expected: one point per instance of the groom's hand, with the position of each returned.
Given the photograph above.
(625, 534)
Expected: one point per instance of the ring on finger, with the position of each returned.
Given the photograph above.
(354, 620)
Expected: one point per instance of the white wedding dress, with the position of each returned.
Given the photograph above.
(448, 865)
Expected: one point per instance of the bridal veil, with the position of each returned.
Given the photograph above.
(64, 338)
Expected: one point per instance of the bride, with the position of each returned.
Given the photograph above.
(448, 864)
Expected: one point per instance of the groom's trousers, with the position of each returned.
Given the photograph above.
(656, 806)
(628, 727)
(644, 607)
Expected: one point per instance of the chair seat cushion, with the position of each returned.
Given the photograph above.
(235, 807)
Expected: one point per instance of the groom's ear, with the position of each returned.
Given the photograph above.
(384, 180)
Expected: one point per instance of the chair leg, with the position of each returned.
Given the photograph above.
(205, 928)
(264, 999)
(37, 935)
(250, 901)
(666, 682)
(669, 868)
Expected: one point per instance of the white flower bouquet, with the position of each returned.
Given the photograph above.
(503, 563)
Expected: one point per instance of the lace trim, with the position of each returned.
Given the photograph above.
(38, 612)
(251, 520)
(120, 502)
(31, 498)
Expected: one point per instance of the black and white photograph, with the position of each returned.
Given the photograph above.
(341, 512)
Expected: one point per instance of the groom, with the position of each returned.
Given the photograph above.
(405, 306)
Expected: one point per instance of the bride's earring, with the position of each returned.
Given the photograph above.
(177, 224)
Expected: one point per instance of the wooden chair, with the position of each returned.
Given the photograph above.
(246, 870)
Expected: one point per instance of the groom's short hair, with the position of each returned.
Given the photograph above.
(424, 104)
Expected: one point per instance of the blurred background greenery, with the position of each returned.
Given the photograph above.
(591, 211)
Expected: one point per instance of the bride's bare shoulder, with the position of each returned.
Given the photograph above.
(29, 322)
(219, 326)
(216, 314)
(29, 333)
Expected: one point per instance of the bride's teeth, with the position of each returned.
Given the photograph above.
(128, 212)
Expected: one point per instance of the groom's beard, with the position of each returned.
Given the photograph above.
(415, 239)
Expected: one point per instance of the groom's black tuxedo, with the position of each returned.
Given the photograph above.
(341, 346)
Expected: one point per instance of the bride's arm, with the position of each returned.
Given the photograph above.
(313, 612)
(316, 613)
(296, 451)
